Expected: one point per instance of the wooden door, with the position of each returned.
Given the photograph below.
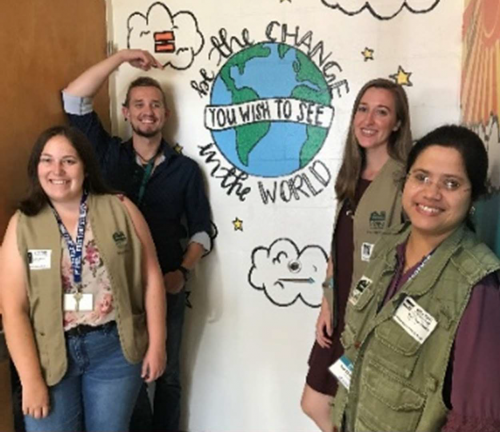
(43, 45)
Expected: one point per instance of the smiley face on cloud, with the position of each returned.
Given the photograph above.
(286, 274)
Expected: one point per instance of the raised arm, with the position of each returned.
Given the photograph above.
(155, 298)
(90, 81)
(18, 329)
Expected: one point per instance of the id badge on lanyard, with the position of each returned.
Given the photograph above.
(76, 301)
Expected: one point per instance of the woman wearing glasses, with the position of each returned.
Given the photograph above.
(422, 323)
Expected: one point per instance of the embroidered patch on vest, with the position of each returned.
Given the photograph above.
(360, 288)
(366, 251)
(120, 239)
(377, 220)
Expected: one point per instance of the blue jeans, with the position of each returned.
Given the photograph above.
(98, 391)
(167, 400)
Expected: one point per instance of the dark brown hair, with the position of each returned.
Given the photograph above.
(470, 147)
(354, 156)
(93, 182)
(144, 82)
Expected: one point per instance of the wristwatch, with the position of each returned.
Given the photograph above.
(185, 272)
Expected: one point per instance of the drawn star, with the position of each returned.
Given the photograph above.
(402, 77)
(188, 302)
(367, 53)
(178, 148)
(289, 1)
(238, 224)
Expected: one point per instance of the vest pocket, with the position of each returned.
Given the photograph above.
(386, 404)
(396, 349)
(364, 298)
(353, 312)
(360, 426)
(347, 337)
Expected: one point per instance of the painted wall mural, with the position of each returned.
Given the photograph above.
(174, 38)
(480, 96)
(382, 10)
(269, 111)
(260, 95)
(287, 274)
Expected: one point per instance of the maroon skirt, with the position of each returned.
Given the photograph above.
(319, 377)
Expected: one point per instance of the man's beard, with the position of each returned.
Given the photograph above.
(144, 134)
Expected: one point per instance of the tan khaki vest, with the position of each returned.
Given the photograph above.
(120, 250)
(379, 209)
(397, 383)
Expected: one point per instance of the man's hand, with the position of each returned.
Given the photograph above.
(140, 59)
(154, 363)
(324, 325)
(174, 281)
(36, 401)
(90, 81)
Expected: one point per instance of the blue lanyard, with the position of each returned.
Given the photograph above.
(148, 170)
(75, 248)
(395, 283)
(420, 267)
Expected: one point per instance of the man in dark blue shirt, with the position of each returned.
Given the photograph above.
(167, 187)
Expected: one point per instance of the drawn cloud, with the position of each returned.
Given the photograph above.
(287, 274)
(175, 40)
(383, 10)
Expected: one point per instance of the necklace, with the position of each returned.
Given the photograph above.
(147, 161)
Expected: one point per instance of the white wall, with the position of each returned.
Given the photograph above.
(245, 352)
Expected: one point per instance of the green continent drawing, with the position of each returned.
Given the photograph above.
(267, 71)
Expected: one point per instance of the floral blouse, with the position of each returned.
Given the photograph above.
(95, 280)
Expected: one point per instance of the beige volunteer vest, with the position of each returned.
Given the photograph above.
(120, 250)
(379, 209)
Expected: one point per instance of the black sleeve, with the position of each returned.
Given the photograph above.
(197, 206)
(105, 146)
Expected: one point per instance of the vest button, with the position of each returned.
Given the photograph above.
(357, 344)
(432, 384)
(335, 429)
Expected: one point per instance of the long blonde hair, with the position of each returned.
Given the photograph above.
(354, 155)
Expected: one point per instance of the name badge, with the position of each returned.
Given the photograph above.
(39, 259)
(78, 302)
(359, 289)
(415, 320)
(342, 370)
(366, 251)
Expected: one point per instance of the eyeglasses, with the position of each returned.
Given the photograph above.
(449, 184)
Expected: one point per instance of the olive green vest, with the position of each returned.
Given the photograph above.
(378, 209)
(120, 250)
(397, 383)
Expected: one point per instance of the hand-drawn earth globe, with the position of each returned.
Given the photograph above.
(262, 71)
